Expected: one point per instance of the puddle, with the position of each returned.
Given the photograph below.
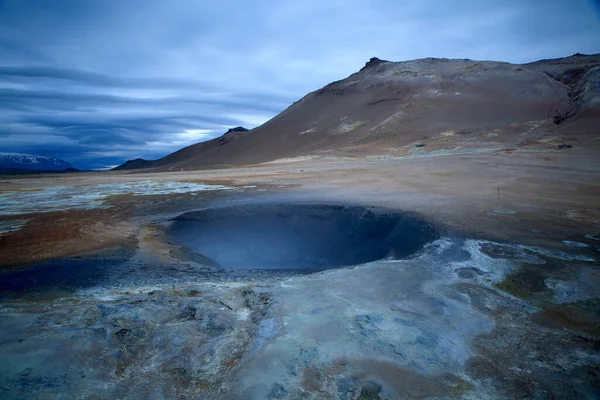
(574, 244)
(504, 212)
(62, 276)
(12, 226)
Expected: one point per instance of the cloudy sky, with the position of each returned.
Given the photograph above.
(97, 82)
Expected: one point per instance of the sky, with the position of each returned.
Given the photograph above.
(99, 82)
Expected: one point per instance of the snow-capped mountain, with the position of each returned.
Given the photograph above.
(27, 162)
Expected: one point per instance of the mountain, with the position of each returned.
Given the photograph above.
(14, 162)
(389, 108)
(174, 160)
(134, 164)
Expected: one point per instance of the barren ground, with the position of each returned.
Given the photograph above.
(554, 196)
(501, 308)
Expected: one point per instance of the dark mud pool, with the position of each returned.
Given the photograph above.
(251, 242)
(308, 237)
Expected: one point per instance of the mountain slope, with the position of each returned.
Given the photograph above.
(440, 103)
(138, 163)
(180, 158)
(14, 162)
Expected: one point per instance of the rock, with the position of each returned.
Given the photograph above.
(277, 391)
(187, 314)
(227, 136)
(368, 324)
(370, 391)
(373, 62)
(237, 129)
(121, 334)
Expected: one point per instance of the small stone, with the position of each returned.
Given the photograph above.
(122, 333)
(370, 391)
(277, 391)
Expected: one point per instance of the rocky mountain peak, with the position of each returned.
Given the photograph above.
(237, 129)
(28, 162)
(373, 62)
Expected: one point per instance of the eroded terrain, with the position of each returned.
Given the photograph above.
(119, 298)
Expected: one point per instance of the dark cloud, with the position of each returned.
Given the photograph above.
(56, 98)
(96, 79)
(100, 81)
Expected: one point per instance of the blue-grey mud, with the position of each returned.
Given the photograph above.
(310, 237)
(303, 283)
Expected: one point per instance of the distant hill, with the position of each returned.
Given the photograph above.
(16, 163)
(171, 161)
(387, 107)
(134, 164)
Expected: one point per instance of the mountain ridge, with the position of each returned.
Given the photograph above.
(386, 106)
(17, 162)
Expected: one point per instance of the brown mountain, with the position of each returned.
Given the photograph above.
(393, 108)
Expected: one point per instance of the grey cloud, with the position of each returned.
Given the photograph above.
(85, 77)
(54, 98)
(97, 79)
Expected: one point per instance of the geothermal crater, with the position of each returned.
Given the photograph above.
(306, 237)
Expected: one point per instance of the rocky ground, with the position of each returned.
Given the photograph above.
(504, 303)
